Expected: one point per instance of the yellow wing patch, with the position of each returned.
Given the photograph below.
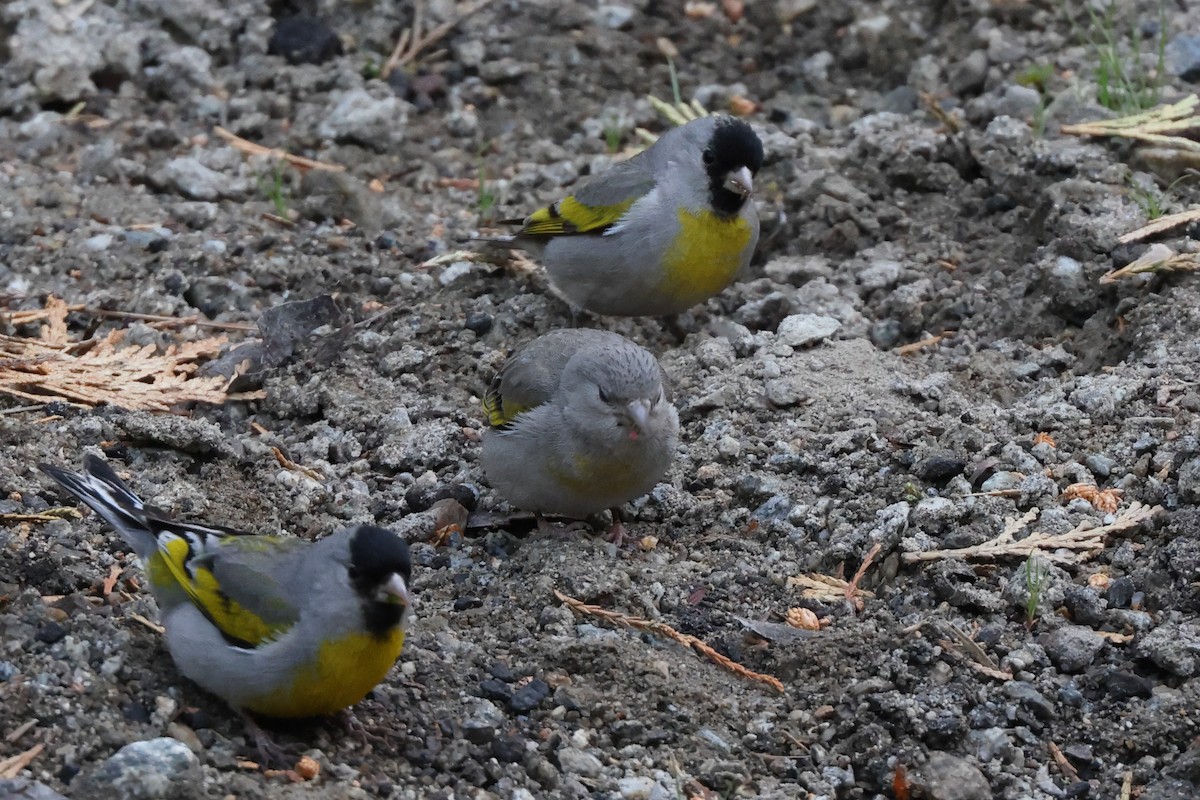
(569, 216)
(170, 564)
(499, 413)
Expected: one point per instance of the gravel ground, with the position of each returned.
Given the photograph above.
(916, 184)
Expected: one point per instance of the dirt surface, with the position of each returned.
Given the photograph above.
(882, 221)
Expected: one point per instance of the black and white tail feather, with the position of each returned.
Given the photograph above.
(142, 528)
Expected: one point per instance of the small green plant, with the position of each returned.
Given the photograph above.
(1148, 198)
(613, 134)
(274, 186)
(1035, 579)
(1036, 76)
(371, 70)
(1123, 81)
(485, 199)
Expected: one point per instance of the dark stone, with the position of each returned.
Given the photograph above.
(493, 689)
(1027, 695)
(1124, 685)
(509, 748)
(50, 633)
(464, 494)
(1120, 592)
(529, 696)
(305, 40)
(1084, 606)
(465, 603)
(478, 322)
(939, 469)
(502, 672)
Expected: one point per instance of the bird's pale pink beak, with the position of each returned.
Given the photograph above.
(395, 591)
(740, 181)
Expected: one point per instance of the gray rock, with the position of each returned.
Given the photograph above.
(1072, 648)
(337, 196)
(26, 789)
(934, 514)
(801, 330)
(1189, 481)
(947, 777)
(968, 75)
(358, 117)
(98, 243)
(765, 313)
(187, 176)
(1183, 57)
(1101, 466)
(577, 762)
(991, 743)
(1019, 101)
(1173, 647)
(145, 770)
(186, 434)
(880, 274)
(641, 788)
(1027, 695)
(611, 15)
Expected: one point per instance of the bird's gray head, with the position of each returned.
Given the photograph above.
(616, 393)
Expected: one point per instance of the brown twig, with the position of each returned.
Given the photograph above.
(852, 586)
(1160, 225)
(287, 463)
(114, 574)
(411, 42)
(1127, 786)
(152, 625)
(11, 767)
(662, 629)
(20, 731)
(49, 515)
(915, 347)
(278, 220)
(247, 146)
(34, 315)
(1068, 770)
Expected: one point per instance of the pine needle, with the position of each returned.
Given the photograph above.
(1157, 258)
(1156, 125)
(51, 368)
(1074, 545)
(1161, 225)
(662, 629)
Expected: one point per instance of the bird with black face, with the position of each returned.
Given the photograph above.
(658, 233)
(274, 625)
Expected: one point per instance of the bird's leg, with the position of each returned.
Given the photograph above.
(270, 754)
(367, 735)
(616, 532)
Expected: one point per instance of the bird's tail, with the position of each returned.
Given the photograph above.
(107, 495)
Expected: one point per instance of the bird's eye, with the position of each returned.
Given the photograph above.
(709, 156)
(603, 394)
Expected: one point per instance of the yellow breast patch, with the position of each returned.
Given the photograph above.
(590, 475)
(706, 256)
(344, 671)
